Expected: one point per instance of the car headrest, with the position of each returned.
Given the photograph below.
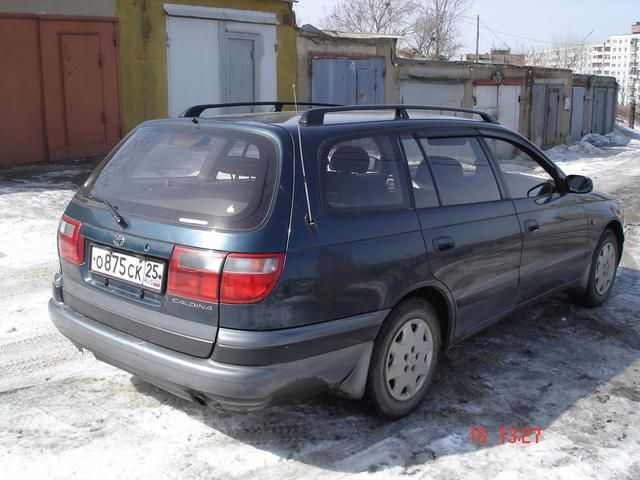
(348, 159)
(453, 166)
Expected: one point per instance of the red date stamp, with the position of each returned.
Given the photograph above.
(482, 436)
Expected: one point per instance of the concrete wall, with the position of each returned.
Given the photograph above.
(469, 73)
(94, 8)
(311, 45)
(143, 52)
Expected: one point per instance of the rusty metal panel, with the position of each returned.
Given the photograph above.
(81, 92)
(22, 136)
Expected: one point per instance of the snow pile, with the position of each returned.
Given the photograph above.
(613, 139)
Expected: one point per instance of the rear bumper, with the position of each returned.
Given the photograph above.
(231, 385)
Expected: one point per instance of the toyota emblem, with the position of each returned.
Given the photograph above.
(118, 240)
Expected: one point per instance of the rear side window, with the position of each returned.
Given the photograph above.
(363, 174)
(461, 170)
(203, 176)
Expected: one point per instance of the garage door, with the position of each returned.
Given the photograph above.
(501, 101)
(577, 113)
(425, 93)
(347, 81)
(234, 62)
(59, 88)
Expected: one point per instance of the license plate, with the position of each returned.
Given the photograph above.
(136, 270)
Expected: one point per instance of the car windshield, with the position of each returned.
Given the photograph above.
(215, 177)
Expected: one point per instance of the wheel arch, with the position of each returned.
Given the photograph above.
(443, 304)
(616, 227)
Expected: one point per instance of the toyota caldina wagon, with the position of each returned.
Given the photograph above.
(254, 258)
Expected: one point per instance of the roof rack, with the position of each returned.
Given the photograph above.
(315, 116)
(196, 110)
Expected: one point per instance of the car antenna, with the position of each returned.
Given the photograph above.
(308, 216)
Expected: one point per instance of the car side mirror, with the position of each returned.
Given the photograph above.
(578, 184)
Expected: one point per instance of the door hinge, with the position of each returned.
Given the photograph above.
(100, 60)
(103, 116)
(115, 39)
(519, 99)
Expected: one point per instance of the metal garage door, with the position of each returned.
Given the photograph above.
(59, 88)
(212, 61)
(547, 100)
(427, 93)
(599, 109)
(577, 113)
(501, 101)
(347, 81)
(551, 117)
(610, 112)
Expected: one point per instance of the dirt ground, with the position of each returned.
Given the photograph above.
(570, 371)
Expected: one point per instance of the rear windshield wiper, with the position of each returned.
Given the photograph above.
(113, 210)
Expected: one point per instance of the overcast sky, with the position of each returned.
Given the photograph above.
(541, 22)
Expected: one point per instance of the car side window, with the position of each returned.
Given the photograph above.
(523, 176)
(424, 191)
(461, 170)
(363, 174)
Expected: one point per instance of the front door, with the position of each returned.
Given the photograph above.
(471, 233)
(554, 225)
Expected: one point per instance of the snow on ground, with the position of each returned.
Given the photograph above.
(573, 372)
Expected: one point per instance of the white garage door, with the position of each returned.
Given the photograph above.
(426, 93)
(213, 61)
(501, 101)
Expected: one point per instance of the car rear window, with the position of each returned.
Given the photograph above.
(204, 176)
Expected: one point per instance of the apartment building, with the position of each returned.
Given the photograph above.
(616, 56)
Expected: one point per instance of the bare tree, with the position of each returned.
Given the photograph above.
(434, 32)
(428, 27)
(568, 52)
(389, 17)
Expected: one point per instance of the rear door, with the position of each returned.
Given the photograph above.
(554, 224)
(471, 232)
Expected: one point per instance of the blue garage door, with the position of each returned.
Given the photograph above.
(347, 81)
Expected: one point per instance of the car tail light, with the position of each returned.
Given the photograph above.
(70, 242)
(249, 278)
(195, 273)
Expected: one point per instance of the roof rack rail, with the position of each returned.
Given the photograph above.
(315, 116)
(196, 110)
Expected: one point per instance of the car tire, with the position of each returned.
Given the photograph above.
(404, 359)
(602, 273)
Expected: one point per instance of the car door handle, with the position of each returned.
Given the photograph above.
(531, 226)
(443, 243)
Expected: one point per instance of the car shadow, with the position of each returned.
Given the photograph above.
(524, 372)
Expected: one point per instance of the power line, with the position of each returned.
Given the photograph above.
(486, 27)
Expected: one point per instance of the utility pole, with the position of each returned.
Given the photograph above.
(477, 38)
